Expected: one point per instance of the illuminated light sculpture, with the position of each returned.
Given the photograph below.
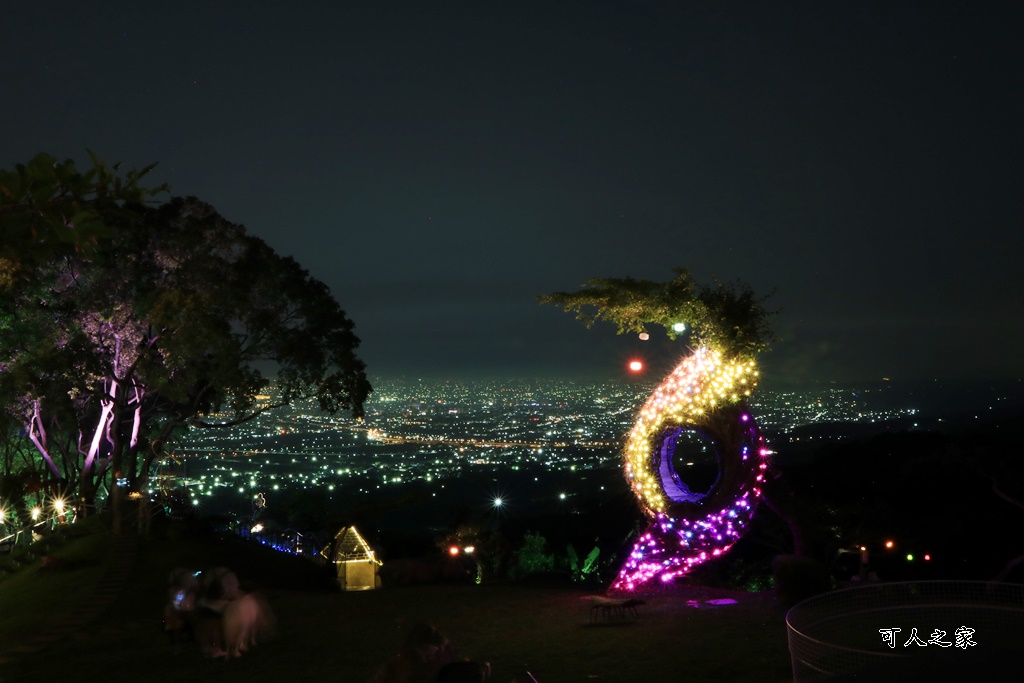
(706, 394)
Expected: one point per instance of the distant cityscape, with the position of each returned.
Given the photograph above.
(434, 431)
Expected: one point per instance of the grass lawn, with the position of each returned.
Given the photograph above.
(326, 634)
(31, 598)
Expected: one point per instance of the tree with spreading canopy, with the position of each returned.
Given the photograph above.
(727, 316)
(124, 323)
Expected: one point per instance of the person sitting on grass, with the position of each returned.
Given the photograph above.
(427, 656)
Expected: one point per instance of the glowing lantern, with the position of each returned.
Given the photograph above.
(644, 336)
(889, 544)
(453, 550)
(635, 366)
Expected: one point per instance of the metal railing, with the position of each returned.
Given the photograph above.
(875, 625)
(24, 533)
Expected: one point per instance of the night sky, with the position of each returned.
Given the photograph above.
(440, 164)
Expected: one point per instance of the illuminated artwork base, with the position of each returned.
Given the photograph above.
(671, 548)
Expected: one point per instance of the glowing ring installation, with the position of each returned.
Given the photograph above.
(706, 393)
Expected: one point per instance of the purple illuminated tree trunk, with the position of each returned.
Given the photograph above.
(54, 221)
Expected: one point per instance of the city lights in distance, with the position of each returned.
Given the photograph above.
(520, 426)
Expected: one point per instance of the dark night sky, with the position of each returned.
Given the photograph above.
(439, 164)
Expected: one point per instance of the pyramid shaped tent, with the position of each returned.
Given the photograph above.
(355, 561)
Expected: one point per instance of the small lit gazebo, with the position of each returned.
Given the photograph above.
(355, 561)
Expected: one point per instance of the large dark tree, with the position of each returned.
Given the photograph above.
(153, 319)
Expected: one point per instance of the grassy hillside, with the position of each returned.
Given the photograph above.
(347, 636)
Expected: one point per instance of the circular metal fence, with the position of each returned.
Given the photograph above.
(878, 627)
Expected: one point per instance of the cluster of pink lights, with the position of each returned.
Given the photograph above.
(672, 547)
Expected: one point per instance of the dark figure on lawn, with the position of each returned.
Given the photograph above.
(427, 656)
(180, 608)
(217, 587)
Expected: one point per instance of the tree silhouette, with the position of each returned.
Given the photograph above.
(727, 316)
(150, 320)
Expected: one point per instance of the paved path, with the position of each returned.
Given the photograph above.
(117, 571)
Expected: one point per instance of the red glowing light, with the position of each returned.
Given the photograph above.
(889, 544)
(635, 366)
(927, 557)
(453, 550)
